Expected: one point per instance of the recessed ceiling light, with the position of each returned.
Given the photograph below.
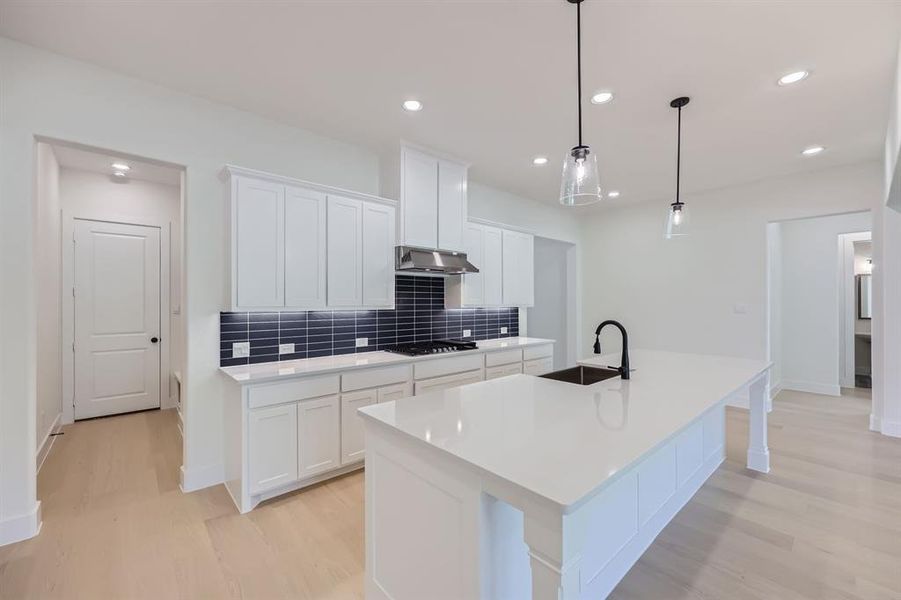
(539, 160)
(412, 105)
(602, 97)
(613, 194)
(120, 166)
(795, 77)
(812, 150)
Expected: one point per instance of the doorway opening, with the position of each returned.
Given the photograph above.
(553, 315)
(815, 274)
(108, 288)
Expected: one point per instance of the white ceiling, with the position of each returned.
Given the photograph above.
(498, 77)
(98, 161)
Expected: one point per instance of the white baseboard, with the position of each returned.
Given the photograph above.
(890, 428)
(21, 527)
(47, 442)
(202, 477)
(775, 389)
(875, 423)
(811, 387)
(739, 400)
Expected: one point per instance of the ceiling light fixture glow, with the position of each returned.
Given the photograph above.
(812, 150)
(120, 166)
(412, 105)
(613, 194)
(539, 160)
(602, 98)
(795, 77)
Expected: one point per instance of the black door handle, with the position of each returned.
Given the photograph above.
(154, 340)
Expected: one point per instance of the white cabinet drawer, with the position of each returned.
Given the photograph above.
(539, 366)
(445, 366)
(503, 371)
(504, 357)
(533, 352)
(449, 381)
(395, 392)
(369, 378)
(290, 391)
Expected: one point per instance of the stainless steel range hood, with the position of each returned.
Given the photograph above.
(408, 259)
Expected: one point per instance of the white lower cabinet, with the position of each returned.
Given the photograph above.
(272, 451)
(353, 446)
(318, 435)
(503, 371)
(390, 393)
(449, 381)
(539, 366)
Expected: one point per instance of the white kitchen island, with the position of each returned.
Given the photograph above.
(527, 487)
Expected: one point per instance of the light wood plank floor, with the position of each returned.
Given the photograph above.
(825, 523)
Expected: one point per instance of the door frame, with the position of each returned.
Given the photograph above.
(68, 304)
(847, 292)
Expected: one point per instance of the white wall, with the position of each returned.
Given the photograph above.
(706, 293)
(548, 318)
(774, 304)
(48, 95)
(47, 284)
(891, 163)
(93, 195)
(810, 300)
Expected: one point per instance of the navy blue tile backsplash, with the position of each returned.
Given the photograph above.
(419, 315)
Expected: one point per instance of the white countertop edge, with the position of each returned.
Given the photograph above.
(345, 362)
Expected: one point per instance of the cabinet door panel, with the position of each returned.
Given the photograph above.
(378, 255)
(390, 393)
(318, 435)
(353, 447)
(451, 205)
(272, 447)
(492, 266)
(305, 248)
(419, 199)
(259, 243)
(473, 284)
(345, 257)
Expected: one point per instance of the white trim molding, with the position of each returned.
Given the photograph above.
(201, 477)
(812, 387)
(21, 527)
(47, 443)
(890, 428)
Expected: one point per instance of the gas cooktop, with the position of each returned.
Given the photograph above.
(433, 347)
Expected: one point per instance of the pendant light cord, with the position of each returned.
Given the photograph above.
(579, 62)
(678, 155)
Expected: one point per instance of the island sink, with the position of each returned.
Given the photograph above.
(582, 375)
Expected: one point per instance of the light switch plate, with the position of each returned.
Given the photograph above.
(240, 349)
(362, 342)
(286, 348)
(503, 330)
(467, 333)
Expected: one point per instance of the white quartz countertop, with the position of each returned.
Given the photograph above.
(564, 441)
(272, 371)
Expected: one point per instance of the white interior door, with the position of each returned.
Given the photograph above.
(117, 318)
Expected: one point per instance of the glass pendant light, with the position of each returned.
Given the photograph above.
(678, 218)
(580, 184)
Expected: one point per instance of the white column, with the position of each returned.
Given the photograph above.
(554, 556)
(758, 452)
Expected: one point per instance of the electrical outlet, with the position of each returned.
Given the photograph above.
(362, 342)
(467, 333)
(240, 349)
(503, 330)
(286, 348)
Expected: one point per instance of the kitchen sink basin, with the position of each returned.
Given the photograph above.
(582, 375)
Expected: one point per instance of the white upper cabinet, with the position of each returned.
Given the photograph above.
(378, 254)
(345, 252)
(419, 198)
(258, 243)
(474, 283)
(305, 247)
(518, 269)
(492, 265)
(432, 200)
(452, 183)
